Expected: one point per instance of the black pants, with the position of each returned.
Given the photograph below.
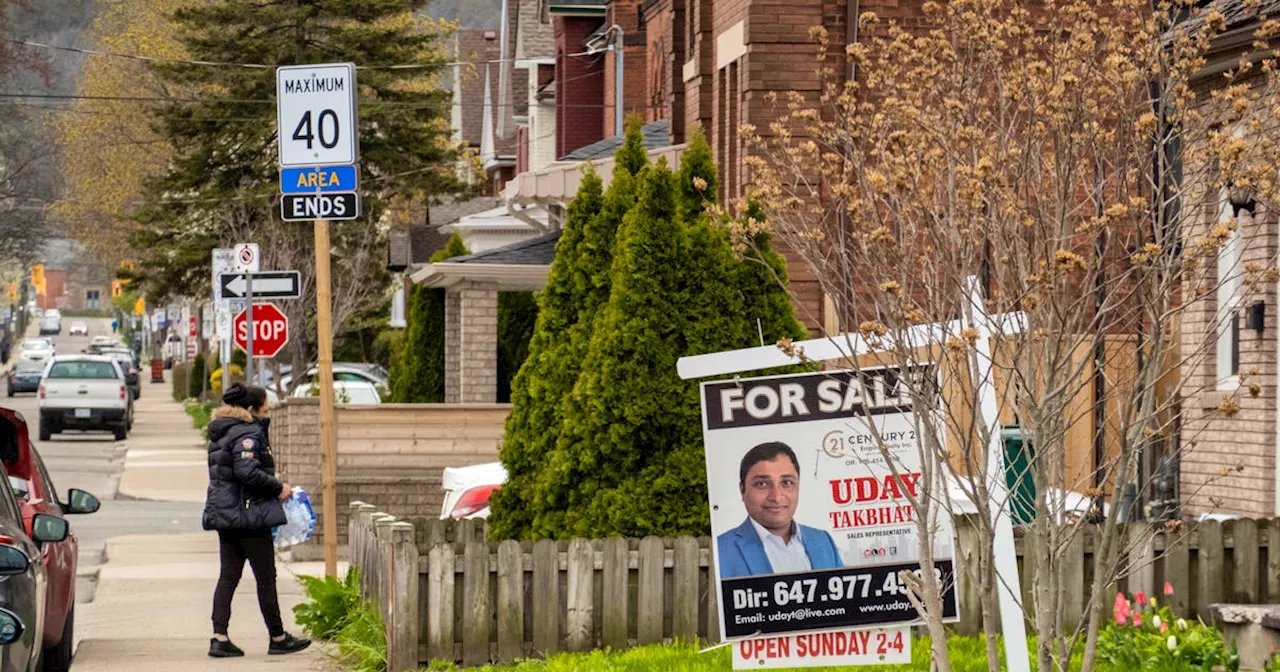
(234, 548)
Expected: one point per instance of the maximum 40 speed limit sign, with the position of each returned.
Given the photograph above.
(316, 114)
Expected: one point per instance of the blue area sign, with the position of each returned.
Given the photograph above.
(318, 180)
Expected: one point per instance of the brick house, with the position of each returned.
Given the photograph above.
(690, 63)
(1229, 463)
(687, 63)
(73, 280)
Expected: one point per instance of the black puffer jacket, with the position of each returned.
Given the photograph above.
(243, 489)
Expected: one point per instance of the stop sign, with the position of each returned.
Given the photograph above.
(270, 330)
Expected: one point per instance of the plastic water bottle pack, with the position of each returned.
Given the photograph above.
(300, 520)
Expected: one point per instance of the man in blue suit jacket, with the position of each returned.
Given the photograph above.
(769, 541)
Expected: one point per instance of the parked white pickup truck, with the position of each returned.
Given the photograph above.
(86, 392)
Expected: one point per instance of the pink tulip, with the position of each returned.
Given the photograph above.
(1121, 609)
(1140, 598)
(1164, 627)
(1168, 588)
(1137, 619)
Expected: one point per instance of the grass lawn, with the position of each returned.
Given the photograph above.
(967, 655)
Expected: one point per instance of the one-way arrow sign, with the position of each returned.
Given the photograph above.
(267, 285)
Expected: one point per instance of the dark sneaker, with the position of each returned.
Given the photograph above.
(221, 649)
(289, 644)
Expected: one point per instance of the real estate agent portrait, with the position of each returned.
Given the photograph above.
(770, 541)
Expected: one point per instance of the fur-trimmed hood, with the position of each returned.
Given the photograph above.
(241, 414)
(226, 418)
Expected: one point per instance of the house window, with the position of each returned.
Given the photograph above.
(1229, 290)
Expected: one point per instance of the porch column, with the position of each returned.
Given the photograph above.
(452, 341)
(471, 343)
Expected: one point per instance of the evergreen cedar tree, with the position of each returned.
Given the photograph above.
(229, 192)
(417, 374)
(578, 286)
(547, 376)
(620, 452)
(517, 315)
(199, 375)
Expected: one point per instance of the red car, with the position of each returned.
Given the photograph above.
(35, 492)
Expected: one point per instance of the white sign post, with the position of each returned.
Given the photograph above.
(248, 260)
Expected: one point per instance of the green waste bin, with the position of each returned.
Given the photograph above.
(1018, 453)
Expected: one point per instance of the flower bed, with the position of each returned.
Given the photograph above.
(1144, 635)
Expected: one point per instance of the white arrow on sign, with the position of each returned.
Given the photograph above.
(269, 285)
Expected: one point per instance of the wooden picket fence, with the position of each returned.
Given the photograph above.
(446, 593)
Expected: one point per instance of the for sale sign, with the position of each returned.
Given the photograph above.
(810, 479)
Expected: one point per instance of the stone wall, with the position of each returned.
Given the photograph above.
(393, 454)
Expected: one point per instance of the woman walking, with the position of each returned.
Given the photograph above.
(243, 504)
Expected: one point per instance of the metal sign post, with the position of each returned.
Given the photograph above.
(248, 259)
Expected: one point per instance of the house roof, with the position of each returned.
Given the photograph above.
(498, 219)
(424, 240)
(451, 211)
(1235, 12)
(522, 266)
(656, 134)
(538, 251)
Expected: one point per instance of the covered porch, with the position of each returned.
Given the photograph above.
(471, 285)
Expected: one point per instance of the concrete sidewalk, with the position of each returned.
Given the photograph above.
(151, 612)
(166, 458)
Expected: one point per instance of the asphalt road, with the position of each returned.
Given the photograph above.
(93, 462)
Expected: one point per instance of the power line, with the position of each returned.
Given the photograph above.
(259, 66)
(250, 101)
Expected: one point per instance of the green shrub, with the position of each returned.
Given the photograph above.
(1143, 635)
(417, 374)
(196, 379)
(334, 611)
(622, 443)
(517, 313)
(545, 379)
(419, 378)
(329, 604)
(179, 377)
(604, 438)
(201, 412)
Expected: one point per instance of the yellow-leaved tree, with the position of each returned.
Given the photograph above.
(106, 144)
